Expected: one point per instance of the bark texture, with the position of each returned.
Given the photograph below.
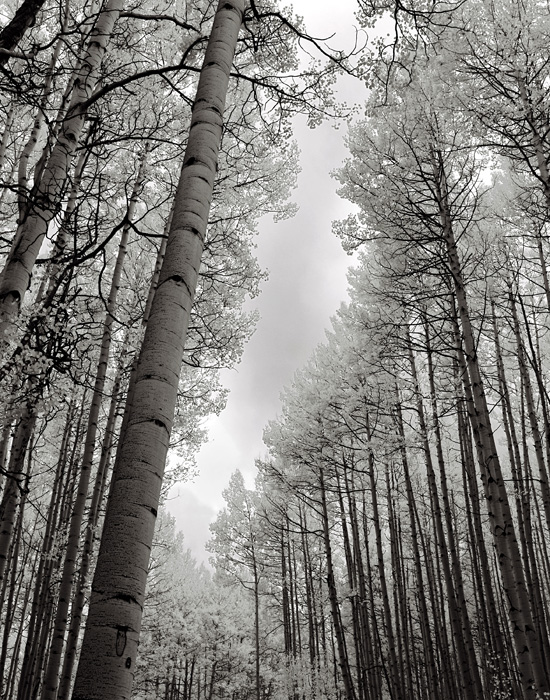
(110, 642)
(15, 29)
(16, 275)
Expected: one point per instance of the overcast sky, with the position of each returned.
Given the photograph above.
(307, 282)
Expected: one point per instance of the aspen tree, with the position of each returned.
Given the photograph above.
(24, 426)
(79, 596)
(471, 683)
(235, 545)
(343, 659)
(438, 206)
(109, 647)
(500, 513)
(531, 411)
(51, 678)
(395, 680)
(16, 275)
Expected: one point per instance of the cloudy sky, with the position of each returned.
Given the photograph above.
(307, 282)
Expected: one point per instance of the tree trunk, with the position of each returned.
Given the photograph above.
(430, 660)
(395, 681)
(16, 275)
(343, 661)
(531, 411)
(502, 526)
(111, 637)
(51, 678)
(14, 483)
(79, 598)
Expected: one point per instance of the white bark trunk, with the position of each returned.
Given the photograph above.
(16, 274)
(110, 642)
(51, 678)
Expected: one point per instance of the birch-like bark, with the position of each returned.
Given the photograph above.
(79, 598)
(427, 641)
(14, 483)
(23, 165)
(470, 671)
(42, 578)
(51, 678)
(502, 526)
(6, 135)
(146, 311)
(9, 621)
(399, 597)
(4, 444)
(109, 647)
(395, 681)
(531, 411)
(343, 660)
(17, 271)
(352, 583)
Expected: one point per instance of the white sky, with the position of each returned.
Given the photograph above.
(307, 282)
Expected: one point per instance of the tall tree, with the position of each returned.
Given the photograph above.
(109, 647)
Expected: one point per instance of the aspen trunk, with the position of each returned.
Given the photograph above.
(23, 165)
(4, 444)
(45, 560)
(464, 638)
(531, 411)
(362, 577)
(399, 595)
(14, 483)
(502, 526)
(430, 661)
(495, 627)
(16, 275)
(455, 614)
(287, 631)
(395, 681)
(51, 679)
(145, 318)
(6, 135)
(313, 626)
(111, 637)
(8, 609)
(78, 601)
(372, 677)
(343, 661)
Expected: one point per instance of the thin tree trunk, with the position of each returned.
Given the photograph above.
(426, 634)
(14, 483)
(45, 556)
(395, 682)
(23, 165)
(79, 597)
(16, 275)
(502, 527)
(533, 420)
(9, 608)
(6, 135)
(51, 679)
(464, 638)
(343, 661)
